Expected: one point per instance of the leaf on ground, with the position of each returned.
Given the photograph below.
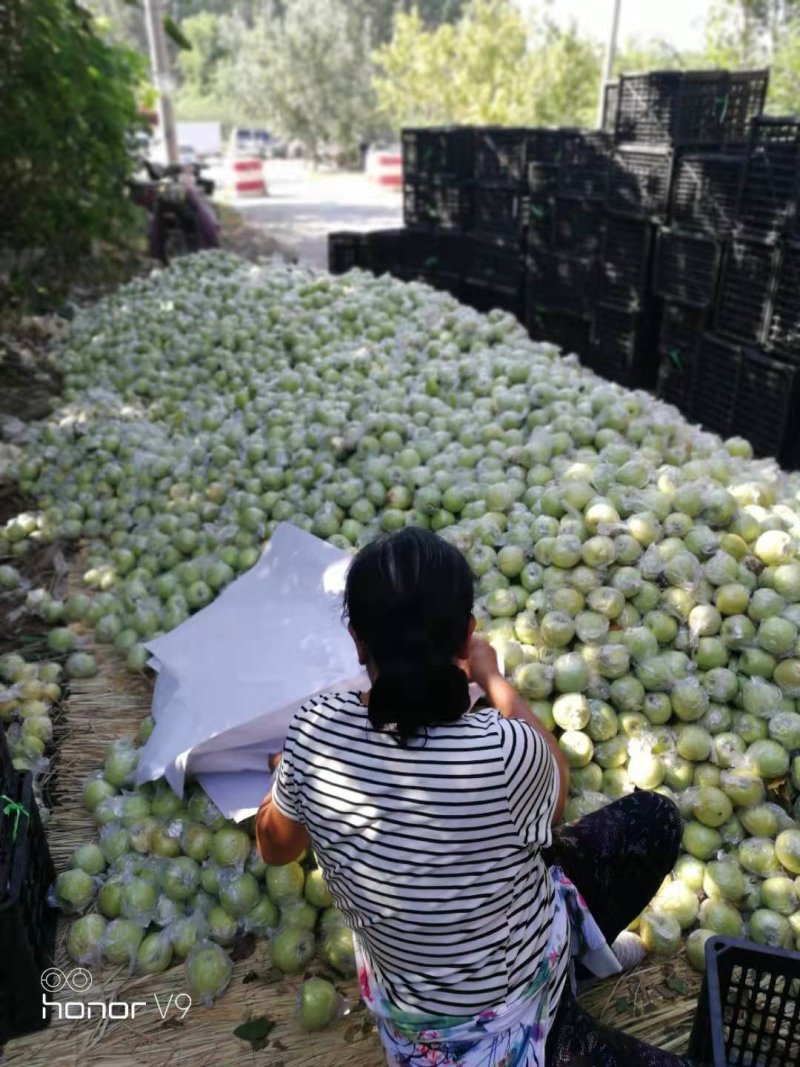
(255, 1032)
(678, 985)
(623, 1004)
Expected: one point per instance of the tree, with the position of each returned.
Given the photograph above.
(199, 68)
(489, 67)
(747, 32)
(69, 110)
(380, 14)
(307, 72)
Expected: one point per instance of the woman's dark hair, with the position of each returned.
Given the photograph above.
(408, 598)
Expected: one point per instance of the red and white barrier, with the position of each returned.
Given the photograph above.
(386, 168)
(245, 177)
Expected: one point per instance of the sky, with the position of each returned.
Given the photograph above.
(680, 22)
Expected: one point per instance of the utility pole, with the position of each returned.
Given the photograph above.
(159, 61)
(608, 64)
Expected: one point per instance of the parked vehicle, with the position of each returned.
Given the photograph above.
(181, 219)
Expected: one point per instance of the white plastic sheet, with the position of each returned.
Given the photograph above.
(231, 677)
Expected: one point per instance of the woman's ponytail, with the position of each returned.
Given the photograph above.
(408, 599)
(409, 694)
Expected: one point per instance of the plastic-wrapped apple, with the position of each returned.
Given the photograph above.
(757, 855)
(230, 847)
(661, 933)
(208, 972)
(109, 896)
(787, 850)
(85, 939)
(779, 894)
(89, 858)
(769, 928)
(121, 941)
(722, 917)
(696, 948)
(285, 882)
(316, 890)
(181, 878)
(319, 1004)
(724, 880)
(691, 872)
(292, 949)
(154, 954)
(74, 891)
(222, 927)
(702, 842)
(677, 900)
(338, 951)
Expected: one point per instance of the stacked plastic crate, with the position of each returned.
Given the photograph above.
(493, 261)
(734, 364)
(672, 129)
(567, 174)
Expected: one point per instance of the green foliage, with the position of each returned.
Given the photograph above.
(307, 73)
(199, 95)
(744, 34)
(490, 67)
(69, 108)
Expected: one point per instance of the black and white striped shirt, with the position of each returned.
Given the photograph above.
(432, 851)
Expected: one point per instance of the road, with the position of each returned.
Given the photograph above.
(304, 206)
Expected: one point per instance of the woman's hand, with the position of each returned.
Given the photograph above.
(481, 666)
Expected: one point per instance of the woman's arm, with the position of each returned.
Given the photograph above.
(279, 839)
(484, 670)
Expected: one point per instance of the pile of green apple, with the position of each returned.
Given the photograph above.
(640, 577)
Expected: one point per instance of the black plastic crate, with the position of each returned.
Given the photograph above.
(686, 267)
(485, 296)
(783, 329)
(445, 281)
(27, 925)
(639, 181)
(540, 232)
(560, 283)
(344, 251)
(585, 162)
(674, 379)
(767, 202)
(623, 345)
(715, 384)
(624, 263)
(689, 107)
(383, 251)
(545, 144)
(491, 263)
(745, 289)
(439, 152)
(705, 189)
(766, 404)
(542, 179)
(437, 204)
(579, 227)
(501, 154)
(500, 209)
(610, 107)
(432, 252)
(749, 1010)
(681, 330)
(572, 333)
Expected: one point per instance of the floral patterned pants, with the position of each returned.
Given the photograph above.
(617, 857)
